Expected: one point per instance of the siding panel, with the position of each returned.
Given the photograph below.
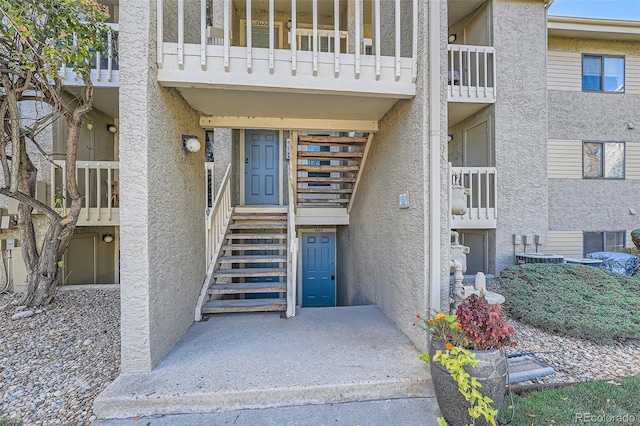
(632, 160)
(632, 77)
(564, 159)
(566, 243)
(564, 71)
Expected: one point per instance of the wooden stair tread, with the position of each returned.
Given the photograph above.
(250, 272)
(253, 259)
(244, 305)
(265, 236)
(310, 168)
(307, 179)
(334, 139)
(238, 288)
(261, 225)
(323, 200)
(266, 246)
(259, 216)
(330, 154)
(324, 191)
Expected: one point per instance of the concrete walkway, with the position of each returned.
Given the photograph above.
(326, 359)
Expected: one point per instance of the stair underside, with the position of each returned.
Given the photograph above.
(328, 168)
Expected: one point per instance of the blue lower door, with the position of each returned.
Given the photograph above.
(261, 167)
(319, 269)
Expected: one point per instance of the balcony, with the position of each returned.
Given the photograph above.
(104, 68)
(482, 212)
(256, 62)
(471, 79)
(98, 183)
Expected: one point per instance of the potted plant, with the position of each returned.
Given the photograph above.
(468, 361)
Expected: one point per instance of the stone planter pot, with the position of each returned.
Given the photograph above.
(491, 372)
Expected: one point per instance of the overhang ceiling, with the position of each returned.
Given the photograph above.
(589, 28)
(245, 103)
(458, 9)
(105, 99)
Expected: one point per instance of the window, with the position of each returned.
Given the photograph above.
(603, 160)
(603, 241)
(603, 73)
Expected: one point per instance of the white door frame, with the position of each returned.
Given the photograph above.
(315, 229)
(280, 165)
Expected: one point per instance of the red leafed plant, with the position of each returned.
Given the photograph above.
(483, 325)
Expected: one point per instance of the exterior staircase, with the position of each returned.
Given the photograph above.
(250, 274)
(328, 168)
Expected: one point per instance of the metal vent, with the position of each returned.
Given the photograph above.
(522, 258)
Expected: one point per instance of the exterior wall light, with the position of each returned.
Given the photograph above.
(112, 128)
(289, 24)
(107, 238)
(191, 143)
(452, 38)
(449, 137)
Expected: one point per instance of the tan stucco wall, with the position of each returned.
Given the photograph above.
(161, 201)
(520, 115)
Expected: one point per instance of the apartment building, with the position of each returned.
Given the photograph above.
(593, 148)
(255, 155)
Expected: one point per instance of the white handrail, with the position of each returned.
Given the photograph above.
(292, 240)
(218, 217)
(395, 67)
(482, 183)
(471, 70)
(217, 224)
(100, 184)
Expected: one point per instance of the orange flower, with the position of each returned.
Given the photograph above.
(22, 28)
(458, 325)
(440, 317)
(431, 321)
(448, 346)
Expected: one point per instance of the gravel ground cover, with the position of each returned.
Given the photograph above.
(54, 363)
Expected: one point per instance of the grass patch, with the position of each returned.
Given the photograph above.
(574, 300)
(564, 406)
(5, 422)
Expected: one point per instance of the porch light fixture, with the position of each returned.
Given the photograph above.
(449, 137)
(452, 38)
(112, 128)
(107, 238)
(190, 143)
(289, 24)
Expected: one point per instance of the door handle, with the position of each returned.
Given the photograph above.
(333, 277)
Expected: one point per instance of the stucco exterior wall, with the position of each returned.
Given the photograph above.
(161, 200)
(385, 249)
(520, 115)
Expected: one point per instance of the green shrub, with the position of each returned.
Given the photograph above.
(574, 300)
(635, 237)
(631, 250)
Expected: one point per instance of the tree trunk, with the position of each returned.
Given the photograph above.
(44, 288)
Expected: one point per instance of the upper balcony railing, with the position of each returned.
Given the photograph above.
(104, 67)
(471, 76)
(98, 183)
(482, 212)
(291, 46)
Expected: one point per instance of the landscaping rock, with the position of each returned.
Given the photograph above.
(22, 314)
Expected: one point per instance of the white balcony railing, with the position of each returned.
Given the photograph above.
(104, 67)
(471, 75)
(291, 39)
(482, 212)
(98, 183)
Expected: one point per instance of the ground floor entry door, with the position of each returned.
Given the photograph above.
(261, 167)
(319, 269)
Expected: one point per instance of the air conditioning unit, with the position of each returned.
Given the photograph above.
(522, 258)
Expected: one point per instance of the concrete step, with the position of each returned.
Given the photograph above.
(250, 272)
(244, 305)
(253, 259)
(239, 288)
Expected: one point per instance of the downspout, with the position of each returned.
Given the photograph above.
(434, 154)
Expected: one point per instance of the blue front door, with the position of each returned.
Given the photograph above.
(261, 167)
(319, 269)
